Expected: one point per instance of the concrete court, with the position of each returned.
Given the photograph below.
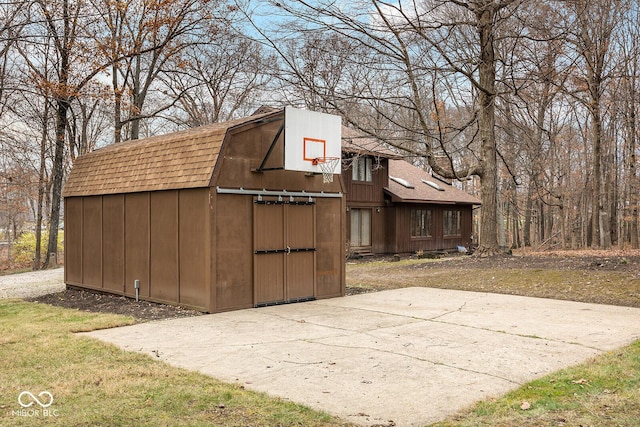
(413, 355)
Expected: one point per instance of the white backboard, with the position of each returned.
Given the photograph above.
(309, 135)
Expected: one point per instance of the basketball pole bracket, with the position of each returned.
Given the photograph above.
(261, 168)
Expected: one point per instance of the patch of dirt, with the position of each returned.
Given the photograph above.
(86, 300)
(603, 277)
(614, 260)
(555, 261)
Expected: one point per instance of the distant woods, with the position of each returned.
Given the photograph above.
(531, 105)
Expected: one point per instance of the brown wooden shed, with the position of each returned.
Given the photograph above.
(205, 218)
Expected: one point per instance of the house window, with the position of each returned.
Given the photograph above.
(360, 227)
(361, 169)
(451, 223)
(421, 222)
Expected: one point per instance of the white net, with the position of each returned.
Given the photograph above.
(328, 166)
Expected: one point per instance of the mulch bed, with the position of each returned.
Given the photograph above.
(86, 300)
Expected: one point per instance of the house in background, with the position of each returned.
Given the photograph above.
(395, 207)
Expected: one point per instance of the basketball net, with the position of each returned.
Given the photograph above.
(328, 166)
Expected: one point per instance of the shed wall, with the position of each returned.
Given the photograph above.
(243, 152)
(234, 252)
(164, 247)
(92, 241)
(73, 240)
(113, 242)
(137, 242)
(159, 238)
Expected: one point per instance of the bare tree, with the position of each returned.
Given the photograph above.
(629, 86)
(416, 44)
(144, 41)
(593, 23)
(60, 57)
(217, 81)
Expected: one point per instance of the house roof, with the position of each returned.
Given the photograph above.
(354, 141)
(183, 159)
(410, 184)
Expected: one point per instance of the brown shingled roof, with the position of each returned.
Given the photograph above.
(420, 191)
(354, 141)
(178, 160)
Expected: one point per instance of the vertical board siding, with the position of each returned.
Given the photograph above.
(92, 241)
(164, 246)
(300, 234)
(234, 252)
(330, 247)
(368, 192)
(194, 246)
(137, 254)
(73, 240)
(269, 269)
(113, 248)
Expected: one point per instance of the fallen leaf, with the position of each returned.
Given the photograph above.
(580, 381)
(525, 405)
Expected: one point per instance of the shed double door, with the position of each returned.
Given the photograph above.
(284, 251)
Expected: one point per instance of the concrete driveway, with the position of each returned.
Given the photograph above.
(413, 356)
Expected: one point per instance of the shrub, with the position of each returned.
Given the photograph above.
(24, 248)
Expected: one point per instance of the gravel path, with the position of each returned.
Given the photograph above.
(32, 284)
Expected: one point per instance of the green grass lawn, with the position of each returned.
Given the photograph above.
(97, 384)
(604, 391)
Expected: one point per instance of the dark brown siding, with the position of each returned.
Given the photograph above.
(378, 230)
(73, 240)
(234, 252)
(234, 257)
(92, 241)
(194, 247)
(243, 152)
(113, 243)
(367, 193)
(301, 266)
(140, 236)
(330, 247)
(437, 241)
(370, 195)
(164, 246)
(269, 269)
(137, 243)
(391, 230)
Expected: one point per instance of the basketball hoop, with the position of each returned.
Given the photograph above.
(328, 166)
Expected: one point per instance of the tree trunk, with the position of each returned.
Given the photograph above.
(137, 101)
(486, 129)
(37, 259)
(57, 178)
(631, 212)
(526, 230)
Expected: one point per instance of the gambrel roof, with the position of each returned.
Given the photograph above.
(178, 160)
(410, 184)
